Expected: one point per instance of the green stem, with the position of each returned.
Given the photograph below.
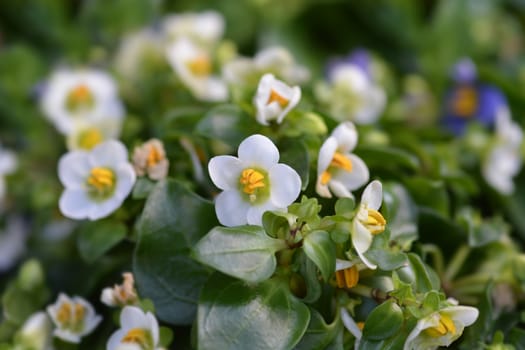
(437, 256)
(369, 292)
(456, 263)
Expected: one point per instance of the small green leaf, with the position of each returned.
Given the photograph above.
(308, 270)
(383, 322)
(277, 223)
(387, 156)
(306, 210)
(228, 123)
(320, 249)
(319, 334)
(235, 316)
(142, 188)
(345, 207)
(165, 336)
(245, 252)
(420, 275)
(97, 237)
(295, 154)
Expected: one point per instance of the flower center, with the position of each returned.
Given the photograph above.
(89, 138)
(140, 337)
(446, 325)
(154, 156)
(347, 278)
(276, 97)
(465, 101)
(339, 161)
(254, 183)
(80, 98)
(71, 316)
(200, 65)
(375, 222)
(101, 182)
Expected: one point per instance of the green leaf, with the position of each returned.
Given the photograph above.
(320, 249)
(308, 270)
(387, 156)
(142, 188)
(383, 322)
(98, 237)
(429, 193)
(245, 252)
(165, 336)
(228, 123)
(235, 316)
(295, 154)
(345, 207)
(420, 275)
(319, 334)
(173, 220)
(277, 223)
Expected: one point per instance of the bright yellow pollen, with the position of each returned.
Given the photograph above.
(339, 161)
(136, 336)
(252, 180)
(325, 177)
(465, 101)
(375, 222)
(64, 313)
(276, 97)
(154, 156)
(361, 325)
(101, 179)
(200, 66)
(347, 278)
(446, 325)
(90, 138)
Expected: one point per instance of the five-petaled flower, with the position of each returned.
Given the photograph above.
(96, 182)
(138, 330)
(338, 170)
(252, 183)
(73, 318)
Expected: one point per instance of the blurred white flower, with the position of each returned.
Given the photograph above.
(274, 99)
(339, 170)
(35, 333)
(368, 221)
(441, 328)
(87, 95)
(12, 242)
(138, 331)
(121, 295)
(193, 65)
(73, 318)
(504, 160)
(87, 134)
(8, 165)
(96, 182)
(352, 95)
(150, 159)
(206, 28)
(252, 183)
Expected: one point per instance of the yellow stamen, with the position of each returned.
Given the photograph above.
(347, 278)
(465, 101)
(154, 156)
(80, 97)
(136, 336)
(375, 222)
(90, 138)
(200, 66)
(446, 325)
(102, 180)
(360, 325)
(341, 161)
(64, 313)
(80, 312)
(276, 97)
(252, 180)
(325, 177)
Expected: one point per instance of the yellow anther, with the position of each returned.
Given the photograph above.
(252, 180)
(137, 336)
(465, 101)
(375, 222)
(102, 180)
(89, 138)
(64, 313)
(276, 97)
(154, 156)
(341, 161)
(80, 97)
(325, 177)
(446, 325)
(200, 66)
(360, 325)
(347, 278)
(80, 312)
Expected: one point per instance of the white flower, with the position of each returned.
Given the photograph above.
(339, 170)
(8, 165)
(121, 295)
(504, 160)
(252, 183)
(150, 158)
(35, 333)
(138, 331)
(206, 28)
(96, 182)
(73, 318)
(73, 95)
(12, 242)
(351, 326)
(440, 328)
(193, 66)
(87, 134)
(368, 221)
(274, 99)
(352, 95)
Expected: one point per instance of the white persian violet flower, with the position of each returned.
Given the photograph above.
(368, 221)
(205, 28)
(193, 66)
(35, 333)
(338, 170)
(504, 160)
(8, 165)
(252, 183)
(86, 95)
(96, 182)
(73, 318)
(274, 99)
(138, 331)
(352, 95)
(441, 328)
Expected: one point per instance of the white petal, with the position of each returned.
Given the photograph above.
(326, 154)
(108, 154)
(341, 264)
(285, 185)
(73, 169)
(356, 178)
(350, 324)
(8, 162)
(321, 189)
(294, 99)
(373, 195)
(107, 297)
(258, 150)
(339, 189)
(126, 178)
(67, 335)
(346, 136)
(231, 209)
(133, 317)
(75, 204)
(225, 171)
(362, 239)
(104, 208)
(255, 213)
(373, 104)
(114, 340)
(153, 327)
(467, 315)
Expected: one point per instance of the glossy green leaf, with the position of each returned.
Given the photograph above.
(420, 275)
(308, 270)
(277, 223)
(235, 316)
(142, 188)
(228, 123)
(173, 220)
(295, 154)
(98, 237)
(383, 322)
(377, 156)
(320, 249)
(345, 207)
(429, 193)
(245, 252)
(319, 334)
